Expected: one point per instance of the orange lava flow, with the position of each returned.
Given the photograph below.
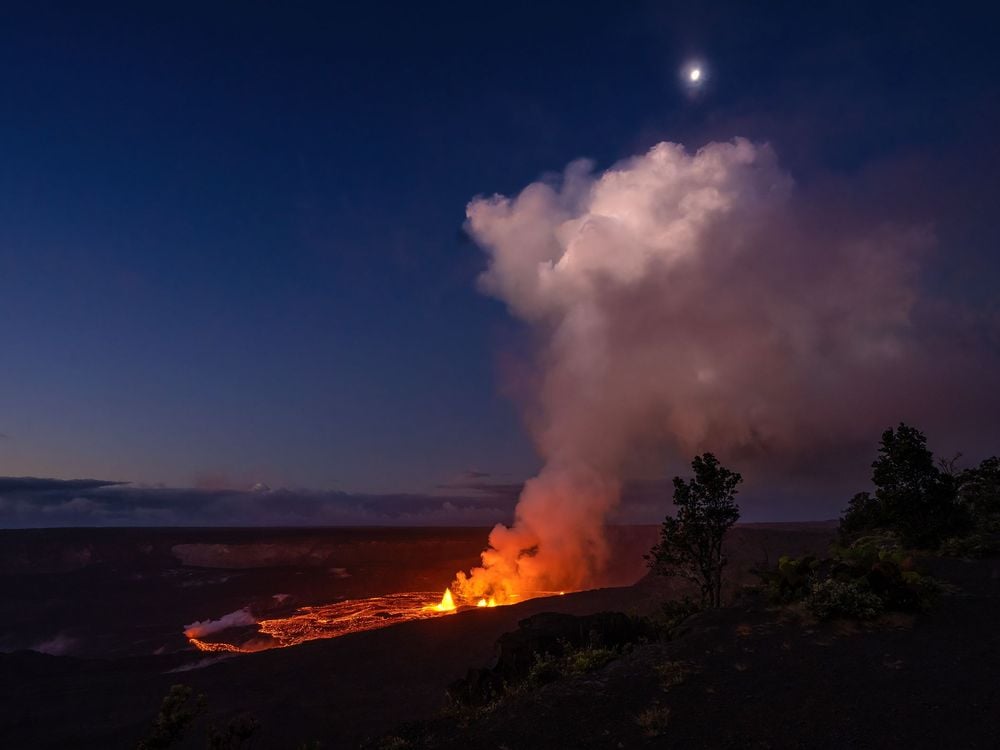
(333, 620)
(208, 646)
(351, 616)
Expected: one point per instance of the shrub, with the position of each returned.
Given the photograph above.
(570, 661)
(673, 613)
(875, 565)
(832, 598)
(654, 720)
(790, 580)
(544, 670)
(234, 736)
(673, 673)
(972, 546)
(589, 659)
(873, 548)
(179, 708)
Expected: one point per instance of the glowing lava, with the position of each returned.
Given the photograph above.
(447, 603)
(332, 621)
(349, 616)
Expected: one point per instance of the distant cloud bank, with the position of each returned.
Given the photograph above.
(28, 502)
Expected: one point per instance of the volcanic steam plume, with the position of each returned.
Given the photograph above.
(681, 302)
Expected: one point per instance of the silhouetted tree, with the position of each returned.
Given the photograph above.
(179, 708)
(913, 497)
(863, 513)
(979, 494)
(690, 545)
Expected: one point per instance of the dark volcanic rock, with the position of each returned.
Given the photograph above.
(133, 594)
(548, 633)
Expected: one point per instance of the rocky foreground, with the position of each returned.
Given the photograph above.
(340, 692)
(749, 675)
(758, 676)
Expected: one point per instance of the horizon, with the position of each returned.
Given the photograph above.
(46, 503)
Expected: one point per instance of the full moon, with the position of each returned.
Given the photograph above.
(695, 75)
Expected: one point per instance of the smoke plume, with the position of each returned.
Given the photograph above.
(236, 619)
(679, 303)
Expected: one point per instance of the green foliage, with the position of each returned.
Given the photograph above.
(913, 497)
(844, 584)
(571, 661)
(790, 580)
(546, 669)
(870, 549)
(589, 659)
(972, 546)
(832, 598)
(673, 673)
(179, 708)
(690, 545)
(671, 616)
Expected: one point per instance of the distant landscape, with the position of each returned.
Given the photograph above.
(120, 599)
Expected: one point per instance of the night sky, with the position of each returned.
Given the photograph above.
(233, 246)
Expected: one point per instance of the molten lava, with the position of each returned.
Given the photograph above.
(333, 620)
(447, 603)
(350, 616)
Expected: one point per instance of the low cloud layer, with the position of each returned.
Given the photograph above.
(39, 503)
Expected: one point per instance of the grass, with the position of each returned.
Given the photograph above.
(654, 720)
(673, 673)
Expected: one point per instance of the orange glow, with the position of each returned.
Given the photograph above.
(333, 620)
(206, 646)
(447, 603)
(351, 616)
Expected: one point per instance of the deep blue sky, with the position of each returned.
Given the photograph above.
(231, 244)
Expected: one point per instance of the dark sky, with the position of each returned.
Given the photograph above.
(231, 235)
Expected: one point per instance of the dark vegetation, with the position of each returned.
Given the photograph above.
(878, 569)
(179, 709)
(871, 576)
(544, 646)
(690, 545)
(920, 507)
(756, 675)
(926, 504)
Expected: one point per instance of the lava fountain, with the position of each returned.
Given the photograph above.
(447, 603)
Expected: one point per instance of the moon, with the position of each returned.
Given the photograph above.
(694, 76)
